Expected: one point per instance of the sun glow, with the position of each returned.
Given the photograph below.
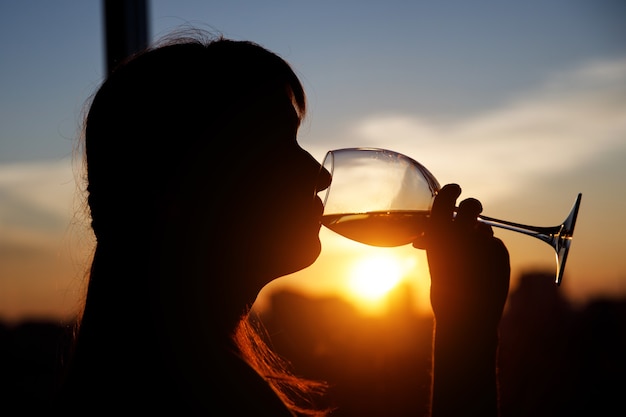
(373, 277)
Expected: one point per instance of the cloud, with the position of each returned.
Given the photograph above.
(38, 199)
(573, 119)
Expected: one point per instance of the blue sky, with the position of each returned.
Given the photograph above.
(441, 60)
(522, 103)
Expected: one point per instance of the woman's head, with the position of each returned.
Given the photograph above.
(203, 132)
(156, 112)
(199, 195)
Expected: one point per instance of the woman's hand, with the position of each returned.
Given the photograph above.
(469, 271)
(469, 267)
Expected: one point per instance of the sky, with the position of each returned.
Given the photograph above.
(521, 103)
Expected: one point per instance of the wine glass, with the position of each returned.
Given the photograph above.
(382, 198)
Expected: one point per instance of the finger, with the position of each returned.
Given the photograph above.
(441, 215)
(467, 214)
(484, 229)
(420, 243)
(445, 204)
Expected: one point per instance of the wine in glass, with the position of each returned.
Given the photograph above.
(383, 198)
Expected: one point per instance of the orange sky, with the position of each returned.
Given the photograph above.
(42, 262)
(523, 113)
(44, 277)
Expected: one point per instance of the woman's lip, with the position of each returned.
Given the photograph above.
(319, 207)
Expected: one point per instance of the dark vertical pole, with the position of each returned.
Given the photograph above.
(125, 29)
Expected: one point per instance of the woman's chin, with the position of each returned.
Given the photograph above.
(297, 261)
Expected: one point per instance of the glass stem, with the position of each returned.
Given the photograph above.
(546, 234)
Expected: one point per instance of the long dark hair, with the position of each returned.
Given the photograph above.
(116, 132)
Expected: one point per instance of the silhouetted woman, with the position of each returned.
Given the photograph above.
(199, 196)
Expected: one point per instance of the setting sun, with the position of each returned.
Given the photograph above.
(371, 278)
